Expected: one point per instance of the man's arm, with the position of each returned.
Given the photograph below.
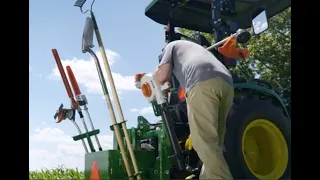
(163, 73)
(165, 66)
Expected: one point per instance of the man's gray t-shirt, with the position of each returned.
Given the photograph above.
(192, 64)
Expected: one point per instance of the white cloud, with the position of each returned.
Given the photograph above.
(87, 75)
(65, 151)
(134, 110)
(146, 110)
(143, 111)
(33, 71)
(39, 75)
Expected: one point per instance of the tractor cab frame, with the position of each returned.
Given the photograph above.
(222, 18)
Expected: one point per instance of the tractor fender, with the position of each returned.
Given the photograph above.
(262, 90)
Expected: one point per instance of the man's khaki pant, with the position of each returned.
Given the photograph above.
(209, 103)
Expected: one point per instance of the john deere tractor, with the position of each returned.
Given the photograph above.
(258, 138)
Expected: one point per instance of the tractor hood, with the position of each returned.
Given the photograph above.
(196, 14)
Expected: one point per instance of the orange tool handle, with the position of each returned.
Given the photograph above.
(62, 73)
(73, 81)
(64, 78)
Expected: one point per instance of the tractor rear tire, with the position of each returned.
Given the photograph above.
(261, 125)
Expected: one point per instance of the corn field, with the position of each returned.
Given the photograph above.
(58, 173)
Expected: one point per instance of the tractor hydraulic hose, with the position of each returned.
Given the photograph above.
(172, 137)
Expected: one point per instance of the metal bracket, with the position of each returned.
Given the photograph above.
(216, 14)
(170, 33)
(85, 135)
(80, 3)
(117, 124)
(220, 28)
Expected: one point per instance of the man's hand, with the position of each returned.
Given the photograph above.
(188, 144)
(166, 91)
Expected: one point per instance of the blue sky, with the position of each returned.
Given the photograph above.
(133, 43)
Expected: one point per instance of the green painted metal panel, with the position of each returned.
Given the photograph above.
(85, 135)
(111, 165)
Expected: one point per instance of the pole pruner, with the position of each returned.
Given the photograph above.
(63, 113)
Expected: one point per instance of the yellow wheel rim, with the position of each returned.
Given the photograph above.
(264, 149)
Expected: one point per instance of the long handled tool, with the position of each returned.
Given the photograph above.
(115, 96)
(79, 3)
(81, 99)
(87, 40)
(111, 111)
(63, 114)
(75, 105)
(242, 36)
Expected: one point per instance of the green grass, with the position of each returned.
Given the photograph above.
(58, 173)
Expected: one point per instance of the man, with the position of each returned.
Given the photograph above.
(209, 95)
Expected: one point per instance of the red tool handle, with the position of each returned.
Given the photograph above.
(73, 81)
(64, 78)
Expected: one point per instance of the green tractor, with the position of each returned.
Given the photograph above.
(258, 138)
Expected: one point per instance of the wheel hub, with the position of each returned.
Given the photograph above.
(264, 149)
